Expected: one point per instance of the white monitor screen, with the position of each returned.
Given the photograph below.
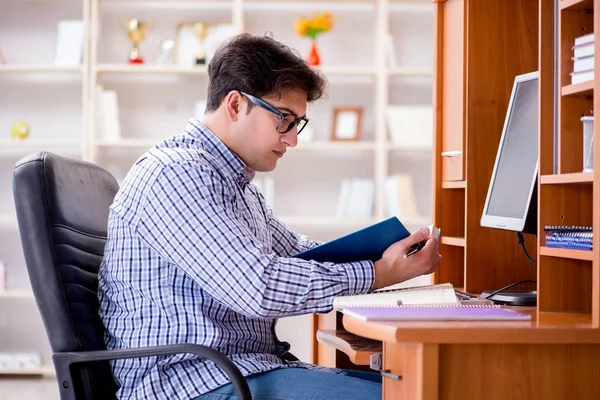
(515, 170)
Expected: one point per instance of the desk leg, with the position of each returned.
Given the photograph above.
(417, 363)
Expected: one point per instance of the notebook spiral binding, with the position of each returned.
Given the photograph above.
(424, 306)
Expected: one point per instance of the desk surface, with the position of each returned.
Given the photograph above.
(550, 328)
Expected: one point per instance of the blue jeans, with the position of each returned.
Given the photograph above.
(304, 384)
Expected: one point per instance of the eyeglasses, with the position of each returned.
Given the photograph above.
(286, 121)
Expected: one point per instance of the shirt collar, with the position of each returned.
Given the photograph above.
(228, 160)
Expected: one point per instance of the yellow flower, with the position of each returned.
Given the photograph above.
(313, 27)
(302, 26)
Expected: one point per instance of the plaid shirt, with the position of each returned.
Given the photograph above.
(194, 255)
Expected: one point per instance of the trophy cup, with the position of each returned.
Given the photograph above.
(200, 30)
(136, 32)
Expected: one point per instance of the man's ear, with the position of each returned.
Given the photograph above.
(234, 104)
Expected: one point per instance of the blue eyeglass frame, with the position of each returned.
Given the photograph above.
(263, 104)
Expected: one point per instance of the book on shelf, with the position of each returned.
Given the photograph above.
(583, 59)
(582, 76)
(436, 313)
(583, 64)
(356, 198)
(400, 196)
(108, 125)
(584, 39)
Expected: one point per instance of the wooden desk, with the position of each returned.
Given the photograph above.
(557, 357)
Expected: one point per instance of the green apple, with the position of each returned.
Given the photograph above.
(20, 130)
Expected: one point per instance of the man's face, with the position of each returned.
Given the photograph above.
(260, 145)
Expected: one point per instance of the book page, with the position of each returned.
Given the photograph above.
(432, 294)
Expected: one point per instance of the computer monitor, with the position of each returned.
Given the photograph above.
(511, 201)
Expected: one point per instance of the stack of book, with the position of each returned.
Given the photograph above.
(356, 198)
(569, 237)
(583, 59)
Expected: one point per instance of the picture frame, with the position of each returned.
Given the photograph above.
(347, 124)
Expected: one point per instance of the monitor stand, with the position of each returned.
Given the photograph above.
(527, 298)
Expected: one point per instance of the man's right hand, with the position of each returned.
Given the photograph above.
(393, 268)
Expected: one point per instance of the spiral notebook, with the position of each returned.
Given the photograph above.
(440, 294)
(436, 313)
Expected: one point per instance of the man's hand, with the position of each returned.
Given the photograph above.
(393, 268)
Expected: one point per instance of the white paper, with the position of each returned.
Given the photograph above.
(346, 125)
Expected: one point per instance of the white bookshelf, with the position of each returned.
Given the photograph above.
(16, 294)
(156, 101)
(43, 370)
(38, 68)
(148, 69)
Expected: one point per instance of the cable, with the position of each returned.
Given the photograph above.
(521, 241)
(508, 287)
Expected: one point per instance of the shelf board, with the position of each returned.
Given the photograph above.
(46, 370)
(584, 255)
(8, 68)
(167, 4)
(578, 177)
(17, 294)
(347, 71)
(309, 5)
(576, 5)
(453, 241)
(308, 146)
(579, 89)
(332, 145)
(410, 72)
(34, 143)
(396, 147)
(454, 184)
(8, 221)
(150, 69)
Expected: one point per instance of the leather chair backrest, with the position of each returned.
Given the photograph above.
(62, 211)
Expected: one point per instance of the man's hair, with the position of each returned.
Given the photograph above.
(260, 66)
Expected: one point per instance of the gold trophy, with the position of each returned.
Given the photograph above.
(200, 29)
(136, 32)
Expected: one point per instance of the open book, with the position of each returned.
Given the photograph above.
(392, 296)
(365, 244)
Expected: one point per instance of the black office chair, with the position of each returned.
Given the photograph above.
(62, 210)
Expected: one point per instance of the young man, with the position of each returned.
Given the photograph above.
(194, 255)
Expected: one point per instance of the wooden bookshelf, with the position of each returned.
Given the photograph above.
(453, 241)
(567, 253)
(576, 5)
(573, 178)
(454, 185)
(568, 280)
(578, 89)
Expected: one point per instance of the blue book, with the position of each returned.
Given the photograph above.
(365, 244)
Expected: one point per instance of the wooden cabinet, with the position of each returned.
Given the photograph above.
(451, 24)
(481, 45)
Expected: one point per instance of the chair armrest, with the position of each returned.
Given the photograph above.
(63, 361)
